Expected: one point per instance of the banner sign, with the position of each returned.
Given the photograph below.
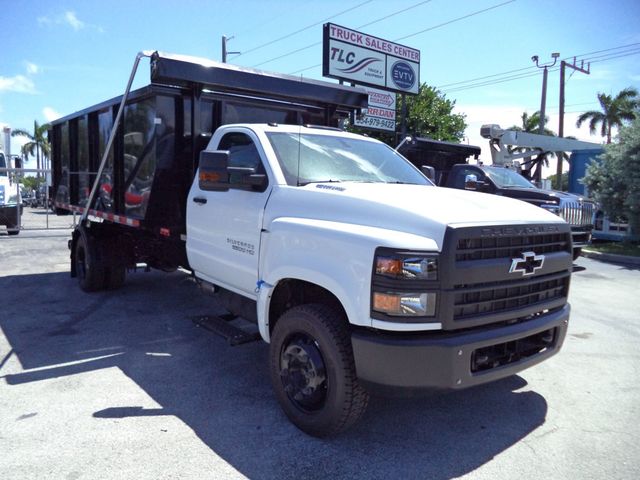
(381, 113)
(360, 58)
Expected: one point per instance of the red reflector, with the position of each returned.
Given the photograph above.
(165, 232)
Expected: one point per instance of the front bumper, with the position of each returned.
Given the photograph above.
(581, 236)
(452, 360)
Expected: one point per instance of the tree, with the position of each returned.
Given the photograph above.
(615, 111)
(531, 124)
(38, 144)
(429, 114)
(614, 179)
(564, 181)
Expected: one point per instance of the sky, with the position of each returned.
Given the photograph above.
(57, 57)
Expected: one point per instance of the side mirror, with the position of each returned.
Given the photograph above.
(429, 172)
(212, 172)
(471, 182)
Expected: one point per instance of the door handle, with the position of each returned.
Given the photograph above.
(200, 200)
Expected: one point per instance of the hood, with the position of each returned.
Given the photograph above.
(416, 209)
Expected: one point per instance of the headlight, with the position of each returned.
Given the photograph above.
(405, 304)
(404, 285)
(407, 266)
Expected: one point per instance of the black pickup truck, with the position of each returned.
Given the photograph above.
(450, 168)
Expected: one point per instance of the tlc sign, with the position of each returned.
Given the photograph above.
(366, 60)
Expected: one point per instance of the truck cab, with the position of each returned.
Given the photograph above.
(358, 266)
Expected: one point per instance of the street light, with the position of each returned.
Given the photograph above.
(545, 72)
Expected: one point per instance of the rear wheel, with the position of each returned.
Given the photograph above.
(313, 372)
(577, 251)
(89, 266)
(114, 276)
(13, 230)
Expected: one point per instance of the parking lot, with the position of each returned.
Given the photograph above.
(123, 384)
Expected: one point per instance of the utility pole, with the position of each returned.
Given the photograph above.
(580, 69)
(224, 48)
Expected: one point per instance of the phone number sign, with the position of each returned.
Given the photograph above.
(381, 113)
(360, 58)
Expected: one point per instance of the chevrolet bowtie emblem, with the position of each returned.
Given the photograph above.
(527, 264)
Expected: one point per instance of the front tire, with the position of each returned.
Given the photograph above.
(577, 251)
(313, 372)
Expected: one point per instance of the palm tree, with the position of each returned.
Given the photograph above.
(531, 124)
(37, 143)
(615, 110)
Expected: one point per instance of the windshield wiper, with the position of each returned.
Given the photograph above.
(302, 184)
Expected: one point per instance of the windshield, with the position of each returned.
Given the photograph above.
(505, 178)
(309, 158)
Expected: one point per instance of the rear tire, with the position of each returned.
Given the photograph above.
(89, 265)
(13, 230)
(576, 253)
(114, 277)
(313, 371)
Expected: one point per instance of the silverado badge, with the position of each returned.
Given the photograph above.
(527, 264)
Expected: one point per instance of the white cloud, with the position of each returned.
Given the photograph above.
(71, 19)
(50, 114)
(18, 84)
(32, 68)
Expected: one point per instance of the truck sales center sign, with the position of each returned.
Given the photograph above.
(366, 60)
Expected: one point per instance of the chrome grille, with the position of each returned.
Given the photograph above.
(577, 213)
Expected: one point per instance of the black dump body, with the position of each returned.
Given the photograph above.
(145, 182)
(442, 156)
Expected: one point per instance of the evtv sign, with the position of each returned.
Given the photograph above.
(366, 60)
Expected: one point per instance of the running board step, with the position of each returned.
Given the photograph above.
(221, 325)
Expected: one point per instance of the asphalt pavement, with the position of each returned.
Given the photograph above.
(124, 384)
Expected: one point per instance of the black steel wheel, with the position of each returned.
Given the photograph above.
(303, 372)
(88, 264)
(312, 370)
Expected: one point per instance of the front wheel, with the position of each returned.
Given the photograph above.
(577, 251)
(313, 372)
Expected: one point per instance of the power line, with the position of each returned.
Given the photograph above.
(455, 20)
(305, 28)
(529, 68)
(601, 58)
(486, 76)
(617, 56)
(426, 30)
(605, 50)
(357, 28)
